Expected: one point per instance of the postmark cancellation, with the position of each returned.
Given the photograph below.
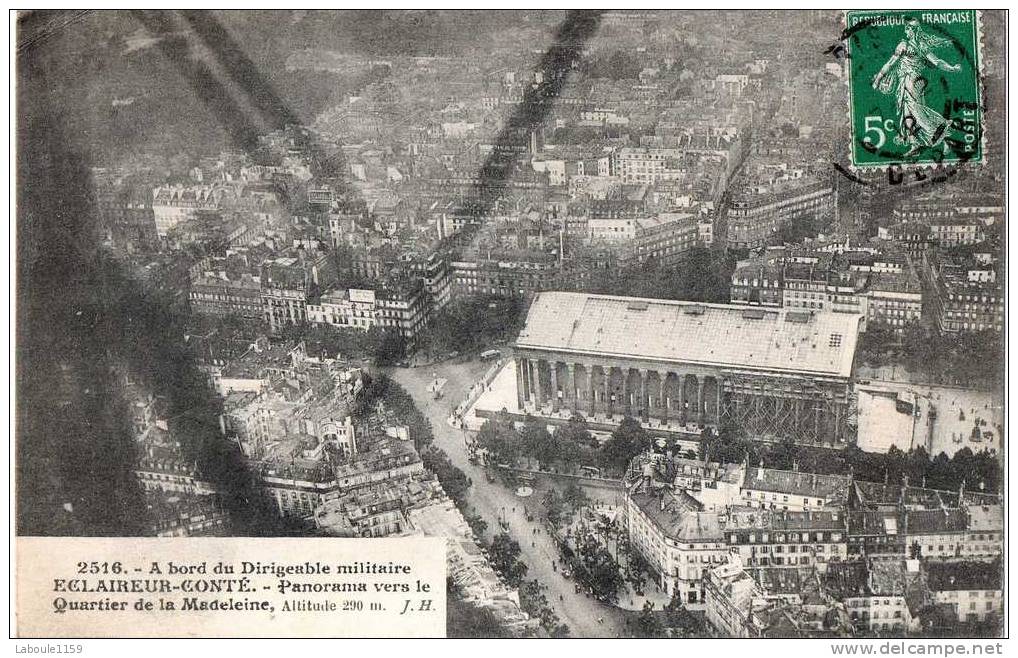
(914, 88)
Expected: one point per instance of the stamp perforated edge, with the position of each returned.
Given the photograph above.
(930, 167)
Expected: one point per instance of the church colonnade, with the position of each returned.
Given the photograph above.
(602, 388)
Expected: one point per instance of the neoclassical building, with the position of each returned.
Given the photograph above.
(774, 372)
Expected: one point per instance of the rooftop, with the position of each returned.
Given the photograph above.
(883, 494)
(677, 518)
(783, 581)
(834, 487)
(895, 578)
(260, 358)
(935, 521)
(873, 522)
(846, 579)
(984, 518)
(717, 335)
(907, 281)
(955, 576)
(751, 519)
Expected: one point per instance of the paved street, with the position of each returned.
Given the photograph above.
(579, 612)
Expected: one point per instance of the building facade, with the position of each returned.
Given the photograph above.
(754, 217)
(774, 373)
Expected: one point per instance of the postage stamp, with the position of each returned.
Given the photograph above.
(914, 87)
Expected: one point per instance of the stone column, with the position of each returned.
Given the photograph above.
(528, 378)
(524, 378)
(538, 398)
(663, 400)
(718, 381)
(627, 395)
(644, 402)
(589, 369)
(553, 376)
(572, 395)
(519, 382)
(687, 406)
(699, 398)
(609, 408)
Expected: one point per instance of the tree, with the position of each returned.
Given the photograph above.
(627, 441)
(532, 598)
(649, 624)
(386, 346)
(505, 552)
(500, 440)
(453, 480)
(784, 455)
(598, 570)
(467, 324)
(636, 568)
(537, 442)
(728, 447)
(397, 400)
(681, 621)
(568, 452)
(574, 496)
(534, 602)
(562, 630)
(554, 507)
(575, 431)
(476, 522)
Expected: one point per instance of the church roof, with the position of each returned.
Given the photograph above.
(715, 335)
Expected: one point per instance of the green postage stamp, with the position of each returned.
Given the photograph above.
(914, 87)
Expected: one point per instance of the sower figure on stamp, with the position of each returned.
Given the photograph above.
(919, 126)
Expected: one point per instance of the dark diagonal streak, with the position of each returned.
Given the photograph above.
(555, 65)
(260, 92)
(240, 68)
(213, 94)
